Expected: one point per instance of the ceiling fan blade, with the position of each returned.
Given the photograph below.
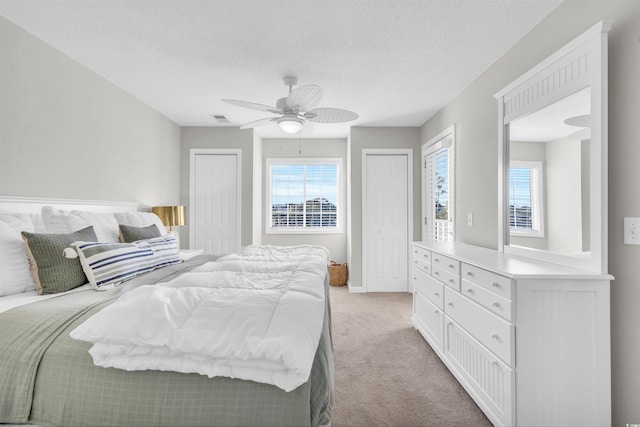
(304, 98)
(308, 127)
(256, 123)
(330, 115)
(253, 106)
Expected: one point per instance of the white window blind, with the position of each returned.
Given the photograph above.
(303, 195)
(438, 216)
(525, 198)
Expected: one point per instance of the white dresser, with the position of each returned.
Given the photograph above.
(528, 340)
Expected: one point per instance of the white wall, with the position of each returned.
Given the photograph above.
(66, 132)
(475, 113)
(564, 196)
(220, 137)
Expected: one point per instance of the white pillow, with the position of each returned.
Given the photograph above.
(140, 219)
(15, 276)
(59, 221)
(33, 223)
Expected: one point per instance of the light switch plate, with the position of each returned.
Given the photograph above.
(632, 231)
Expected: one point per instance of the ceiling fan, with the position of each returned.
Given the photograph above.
(297, 109)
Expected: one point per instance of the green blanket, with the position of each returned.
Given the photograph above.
(48, 378)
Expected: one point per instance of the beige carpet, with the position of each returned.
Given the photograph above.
(386, 373)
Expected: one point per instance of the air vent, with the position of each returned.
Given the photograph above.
(220, 118)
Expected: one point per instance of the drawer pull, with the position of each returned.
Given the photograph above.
(495, 336)
(436, 311)
(426, 268)
(469, 273)
(415, 278)
(453, 282)
(435, 273)
(451, 266)
(496, 304)
(426, 256)
(436, 259)
(495, 284)
(450, 304)
(437, 294)
(469, 290)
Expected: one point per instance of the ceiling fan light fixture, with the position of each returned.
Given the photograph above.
(290, 124)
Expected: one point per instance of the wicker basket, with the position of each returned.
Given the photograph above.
(337, 274)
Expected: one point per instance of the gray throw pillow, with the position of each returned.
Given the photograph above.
(51, 270)
(130, 234)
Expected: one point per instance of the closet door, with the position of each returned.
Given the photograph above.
(214, 223)
(386, 220)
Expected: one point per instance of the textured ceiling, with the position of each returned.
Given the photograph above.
(395, 63)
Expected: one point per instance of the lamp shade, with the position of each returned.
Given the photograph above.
(171, 215)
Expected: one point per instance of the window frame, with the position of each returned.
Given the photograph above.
(537, 203)
(444, 140)
(338, 162)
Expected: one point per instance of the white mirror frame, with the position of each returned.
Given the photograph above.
(579, 64)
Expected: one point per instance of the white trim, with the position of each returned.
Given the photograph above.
(192, 159)
(33, 205)
(388, 152)
(438, 142)
(339, 228)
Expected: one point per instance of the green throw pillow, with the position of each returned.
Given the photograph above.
(51, 271)
(130, 234)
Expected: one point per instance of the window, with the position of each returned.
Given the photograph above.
(303, 196)
(438, 199)
(525, 198)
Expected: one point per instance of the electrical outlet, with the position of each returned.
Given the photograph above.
(470, 219)
(632, 231)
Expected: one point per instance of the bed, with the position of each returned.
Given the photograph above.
(49, 378)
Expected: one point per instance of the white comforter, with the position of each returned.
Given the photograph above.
(256, 315)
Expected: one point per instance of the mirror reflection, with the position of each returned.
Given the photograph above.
(549, 163)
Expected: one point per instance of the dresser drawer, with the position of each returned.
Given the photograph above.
(422, 264)
(480, 370)
(497, 304)
(450, 279)
(429, 320)
(447, 264)
(420, 253)
(493, 332)
(495, 283)
(428, 287)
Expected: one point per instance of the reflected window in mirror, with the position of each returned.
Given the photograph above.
(525, 199)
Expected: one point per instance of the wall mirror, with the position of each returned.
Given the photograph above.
(553, 157)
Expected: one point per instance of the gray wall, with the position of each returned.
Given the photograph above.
(378, 137)
(220, 137)
(66, 132)
(289, 148)
(475, 113)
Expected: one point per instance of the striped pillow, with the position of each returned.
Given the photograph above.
(107, 265)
